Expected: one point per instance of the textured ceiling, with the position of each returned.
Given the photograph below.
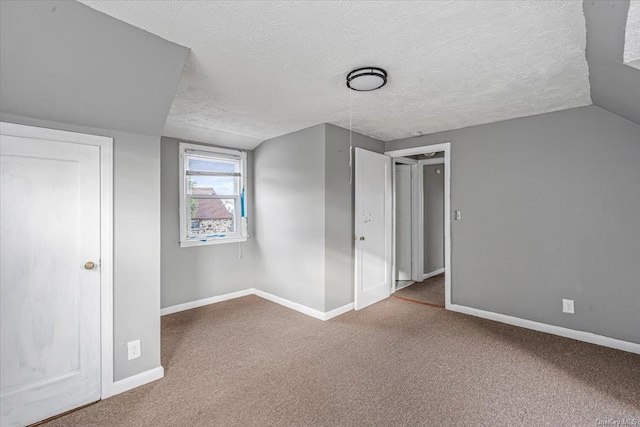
(262, 69)
(632, 33)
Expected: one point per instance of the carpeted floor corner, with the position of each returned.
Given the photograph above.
(250, 362)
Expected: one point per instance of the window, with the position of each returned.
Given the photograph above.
(212, 202)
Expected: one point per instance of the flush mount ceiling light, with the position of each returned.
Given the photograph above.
(366, 79)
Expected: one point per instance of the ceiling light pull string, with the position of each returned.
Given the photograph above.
(350, 144)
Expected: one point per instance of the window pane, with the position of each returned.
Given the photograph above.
(212, 216)
(211, 185)
(208, 164)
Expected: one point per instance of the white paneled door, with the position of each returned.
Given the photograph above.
(372, 228)
(50, 278)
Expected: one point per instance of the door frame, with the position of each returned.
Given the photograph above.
(105, 144)
(446, 148)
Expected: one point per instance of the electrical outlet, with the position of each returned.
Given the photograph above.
(567, 306)
(134, 349)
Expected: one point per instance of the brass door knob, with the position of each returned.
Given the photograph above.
(361, 237)
(89, 265)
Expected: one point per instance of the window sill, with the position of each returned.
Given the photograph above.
(212, 241)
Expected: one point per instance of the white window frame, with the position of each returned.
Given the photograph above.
(240, 235)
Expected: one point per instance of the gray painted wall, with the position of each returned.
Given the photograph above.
(550, 210)
(433, 189)
(65, 62)
(289, 185)
(304, 220)
(614, 86)
(339, 213)
(60, 70)
(136, 275)
(190, 274)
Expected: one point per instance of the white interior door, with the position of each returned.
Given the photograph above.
(403, 221)
(372, 227)
(50, 300)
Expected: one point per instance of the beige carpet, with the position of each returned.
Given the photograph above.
(250, 362)
(430, 291)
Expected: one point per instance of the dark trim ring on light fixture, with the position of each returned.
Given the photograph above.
(367, 71)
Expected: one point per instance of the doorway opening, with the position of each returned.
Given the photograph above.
(377, 265)
(421, 225)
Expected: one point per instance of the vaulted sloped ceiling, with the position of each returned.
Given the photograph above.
(262, 69)
(65, 62)
(615, 86)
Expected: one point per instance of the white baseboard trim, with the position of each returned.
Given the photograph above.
(338, 311)
(135, 381)
(265, 295)
(550, 329)
(290, 304)
(303, 308)
(433, 273)
(405, 285)
(204, 301)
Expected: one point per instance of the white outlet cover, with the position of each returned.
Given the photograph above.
(133, 348)
(567, 306)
